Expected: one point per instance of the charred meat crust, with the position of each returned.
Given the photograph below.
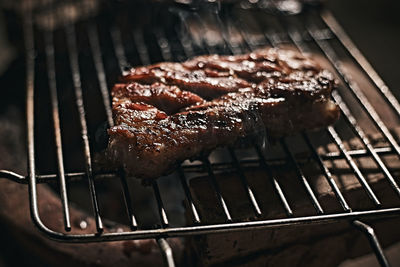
(168, 112)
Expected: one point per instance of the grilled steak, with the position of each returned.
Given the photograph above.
(168, 112)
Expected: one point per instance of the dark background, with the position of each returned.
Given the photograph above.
(374, 27)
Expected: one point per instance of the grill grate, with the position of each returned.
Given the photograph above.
(311, 31)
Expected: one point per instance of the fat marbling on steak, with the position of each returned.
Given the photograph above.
(168, 112)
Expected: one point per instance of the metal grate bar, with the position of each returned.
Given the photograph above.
(30, 115)
(208, 47)
(128, 200)
(249, 42)
(216, 188)
(245, 184)
(295, 36)
(160, 205)
(248, 189)
(101, 76)
(167, 55)
(359, 132)
(166, 251)
(18, 178)
(73, 56)
(349, 117)
(96, 54)
(162, 243)
(317, 157)
(141, 46)
(275, 183)
(372, 238)
(353, 165)
(272, 37)
(30, 122)
(275, 40)
(163, 43)
(118, 48)
(184, 40)
(189, 198)
(208, 165)
(186, 44)
(74, 176)
(233, 49)
(356, 54)
(362, 99)
(144, 56)
(358, 153)
(303, 179)
(51, 73)
(327, 174)
(217, 228)
(297, 39)
(264, 163)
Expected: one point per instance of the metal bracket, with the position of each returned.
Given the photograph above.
(166, 250)
(10, 175)
(373, 240)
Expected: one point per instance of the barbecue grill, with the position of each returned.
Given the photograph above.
(100, 47)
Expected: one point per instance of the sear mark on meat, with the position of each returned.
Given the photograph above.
(168, 112)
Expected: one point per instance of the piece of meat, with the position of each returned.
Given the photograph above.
(161, 120)
(198, 80)
(169, 99)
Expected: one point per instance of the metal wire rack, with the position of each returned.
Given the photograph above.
(312, 30)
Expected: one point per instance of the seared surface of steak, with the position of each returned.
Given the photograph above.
(168, 112)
